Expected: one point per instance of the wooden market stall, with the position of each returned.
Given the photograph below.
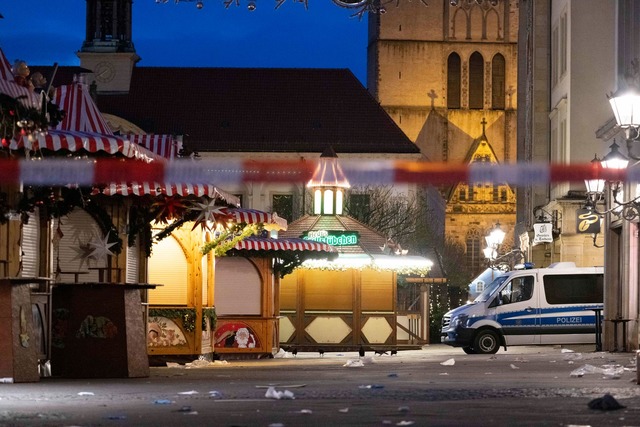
(350, 302)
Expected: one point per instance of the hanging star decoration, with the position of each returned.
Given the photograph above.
(166, 208)
(208, 211)
(83, 253)
(101, 248)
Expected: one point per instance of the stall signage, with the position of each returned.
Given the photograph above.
(332, 237)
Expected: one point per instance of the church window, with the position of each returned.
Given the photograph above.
(474, 253)
(498, 82)
(453, 81)
(503, 194)
(462, 195)
(476, 81)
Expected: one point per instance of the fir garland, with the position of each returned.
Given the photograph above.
(187, 316)
(229, 238)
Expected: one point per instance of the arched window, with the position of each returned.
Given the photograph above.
(476, 81)
(497, 82)
(474, 255)
(453, 81)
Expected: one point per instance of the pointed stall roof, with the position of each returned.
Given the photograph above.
(328, 172)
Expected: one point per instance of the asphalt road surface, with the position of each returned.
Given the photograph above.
(435, 386)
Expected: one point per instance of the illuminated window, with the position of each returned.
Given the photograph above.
(339, 202)
(317, 202)
(327, 209)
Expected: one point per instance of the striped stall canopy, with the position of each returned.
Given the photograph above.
(55, 140)
(82, 113)
(253, 216)
(5, 68)
(24, 95)
(287, 244)
(166, 146)
(163, 188)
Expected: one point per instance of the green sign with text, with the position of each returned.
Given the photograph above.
(333, 237)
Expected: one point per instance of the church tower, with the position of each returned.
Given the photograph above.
(446, 73)
(108, 49)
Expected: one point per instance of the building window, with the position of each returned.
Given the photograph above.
(282, 204)
(359, 206)
(476, 81)
(498, 82)
(563, 44)
(555, 48)
(453, 81)
(474, 250)
(463, 194)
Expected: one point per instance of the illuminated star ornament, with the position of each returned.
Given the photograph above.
(167, 208)
(207, 211)
(101, 248)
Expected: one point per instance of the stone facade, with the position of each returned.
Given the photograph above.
(447, 75)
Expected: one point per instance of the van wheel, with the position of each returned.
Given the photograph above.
(468, 350)
(486, 342)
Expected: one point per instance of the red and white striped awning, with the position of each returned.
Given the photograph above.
(163, 188)
(82, 113)
(253, 216)
(5, 68)
(24, 95)
(166, 146)
(287, 244)
(55, 140)
(8, 85)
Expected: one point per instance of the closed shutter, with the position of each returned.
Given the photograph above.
(237, 287)
(30, 246)
(133, 261)
(168, 267)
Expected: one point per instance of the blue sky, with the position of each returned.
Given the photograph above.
(325, 36)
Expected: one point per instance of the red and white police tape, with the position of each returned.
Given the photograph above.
(232, 171)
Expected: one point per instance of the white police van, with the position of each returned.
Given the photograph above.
(554, 305)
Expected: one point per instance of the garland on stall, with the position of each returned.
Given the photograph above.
(187, 316)
(229, 238)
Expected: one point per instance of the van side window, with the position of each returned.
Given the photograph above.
(573, 288)
(519, 289)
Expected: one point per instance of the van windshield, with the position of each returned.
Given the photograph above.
(490, 290)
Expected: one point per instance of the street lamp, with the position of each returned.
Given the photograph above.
(494, 240)
(595, 186)
(615, 160)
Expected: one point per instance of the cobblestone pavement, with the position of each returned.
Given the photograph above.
(435, 386)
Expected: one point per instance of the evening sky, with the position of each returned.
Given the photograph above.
(43, 32)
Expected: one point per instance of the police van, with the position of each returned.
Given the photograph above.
(554, 305)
